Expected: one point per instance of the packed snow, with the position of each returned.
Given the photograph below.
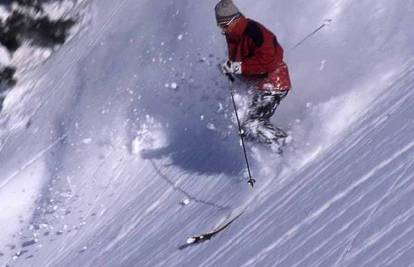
(120, 145)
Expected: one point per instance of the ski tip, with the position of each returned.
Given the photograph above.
(190, 240)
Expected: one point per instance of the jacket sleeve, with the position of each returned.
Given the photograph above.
(261, 59)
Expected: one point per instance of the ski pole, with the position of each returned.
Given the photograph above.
(231, 78)
(326, 23)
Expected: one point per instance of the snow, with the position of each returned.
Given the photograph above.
(100, 159)
(185, 201)
(211, 126)
(323, 63)
(87, 141)
(4, 56)
(3, 12)
(174, 85)
(18, 192)
(56, 10)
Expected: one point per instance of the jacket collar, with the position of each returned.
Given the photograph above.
(238, 30)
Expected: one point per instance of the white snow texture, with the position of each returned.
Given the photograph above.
(102, 164)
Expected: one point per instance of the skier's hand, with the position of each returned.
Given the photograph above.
(230, 67)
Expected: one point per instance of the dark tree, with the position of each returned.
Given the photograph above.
(41, 31)
(28, 23)
(6, 77)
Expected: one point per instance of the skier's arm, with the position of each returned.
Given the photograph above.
(260, 61)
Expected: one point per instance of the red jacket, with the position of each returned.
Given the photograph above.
(261, 55)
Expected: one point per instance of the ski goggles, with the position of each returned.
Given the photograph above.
(226, 23)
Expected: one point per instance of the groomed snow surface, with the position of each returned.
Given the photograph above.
(123, 143)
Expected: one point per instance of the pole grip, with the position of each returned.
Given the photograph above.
(228, 75)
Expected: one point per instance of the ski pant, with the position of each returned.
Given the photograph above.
(257, 124)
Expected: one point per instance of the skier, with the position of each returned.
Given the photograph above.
(255, 55)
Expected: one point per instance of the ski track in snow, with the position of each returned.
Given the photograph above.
(31, 161)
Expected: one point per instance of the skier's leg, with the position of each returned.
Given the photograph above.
(278, 134)
(263, 105)
(257, 125)
(252, 121)
(271, 102)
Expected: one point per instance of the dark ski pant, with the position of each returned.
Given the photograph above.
(257, 126)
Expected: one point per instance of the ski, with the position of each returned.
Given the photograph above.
(197, 239)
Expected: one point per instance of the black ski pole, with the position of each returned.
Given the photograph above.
(231, 78)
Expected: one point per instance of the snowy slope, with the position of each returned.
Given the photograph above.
(101, 143)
